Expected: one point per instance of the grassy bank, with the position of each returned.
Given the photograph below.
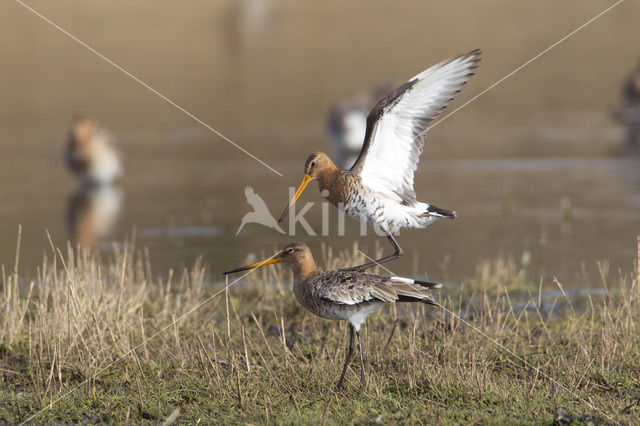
(251, 354)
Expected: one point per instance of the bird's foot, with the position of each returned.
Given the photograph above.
(363, 384)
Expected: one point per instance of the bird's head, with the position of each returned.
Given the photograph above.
(317, 166)
(82, 130)
(295, 255)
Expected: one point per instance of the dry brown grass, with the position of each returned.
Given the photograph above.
(79, 329)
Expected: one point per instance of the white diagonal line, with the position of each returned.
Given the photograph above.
(520, 67)
(163, 329)
(495, 342)
(145, 85)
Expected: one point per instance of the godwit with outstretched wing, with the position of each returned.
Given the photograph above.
(378, 188)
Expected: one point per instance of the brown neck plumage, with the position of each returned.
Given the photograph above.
(328, 175)
(303, 267)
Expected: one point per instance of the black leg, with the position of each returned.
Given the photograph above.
(352, 336)
(363, 361)
(398, 252)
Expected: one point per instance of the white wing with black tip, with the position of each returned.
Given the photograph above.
(397, 125)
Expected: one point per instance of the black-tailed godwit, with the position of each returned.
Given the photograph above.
(378, 188)
(90, 153)
(343, 295)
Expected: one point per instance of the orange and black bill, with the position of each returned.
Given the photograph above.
(276, 259)
(305, 181)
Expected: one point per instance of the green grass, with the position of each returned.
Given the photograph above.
(252, 355)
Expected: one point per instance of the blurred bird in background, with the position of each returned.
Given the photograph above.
(629, 113)
(90, 153)
(93, 209)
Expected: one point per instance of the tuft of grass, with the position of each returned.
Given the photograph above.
(74, 344)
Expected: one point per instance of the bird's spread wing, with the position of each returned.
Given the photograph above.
(397, 124)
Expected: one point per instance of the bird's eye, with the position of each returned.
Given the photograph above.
(290, 250)
(313, 164)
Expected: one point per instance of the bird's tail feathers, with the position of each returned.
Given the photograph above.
(439, 212)
(425, 284)
(426, 299)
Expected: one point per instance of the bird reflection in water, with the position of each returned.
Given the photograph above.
(94, 208)
(93, 213)
(629, 113)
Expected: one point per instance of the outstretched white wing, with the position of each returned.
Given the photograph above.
(397, 125)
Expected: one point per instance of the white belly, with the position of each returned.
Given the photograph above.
(389, 215)
(106, 166)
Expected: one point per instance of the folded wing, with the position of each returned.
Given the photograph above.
(351, 288)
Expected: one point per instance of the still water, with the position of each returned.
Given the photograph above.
(532, 167)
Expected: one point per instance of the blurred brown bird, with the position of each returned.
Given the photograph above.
(90, 154)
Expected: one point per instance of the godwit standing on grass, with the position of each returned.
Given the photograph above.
(90, 154)
(343, 295)
(378, 188)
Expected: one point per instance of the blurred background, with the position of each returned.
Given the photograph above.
(539, 169)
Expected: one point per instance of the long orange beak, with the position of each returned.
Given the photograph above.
(305, 181)
(265, 262)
